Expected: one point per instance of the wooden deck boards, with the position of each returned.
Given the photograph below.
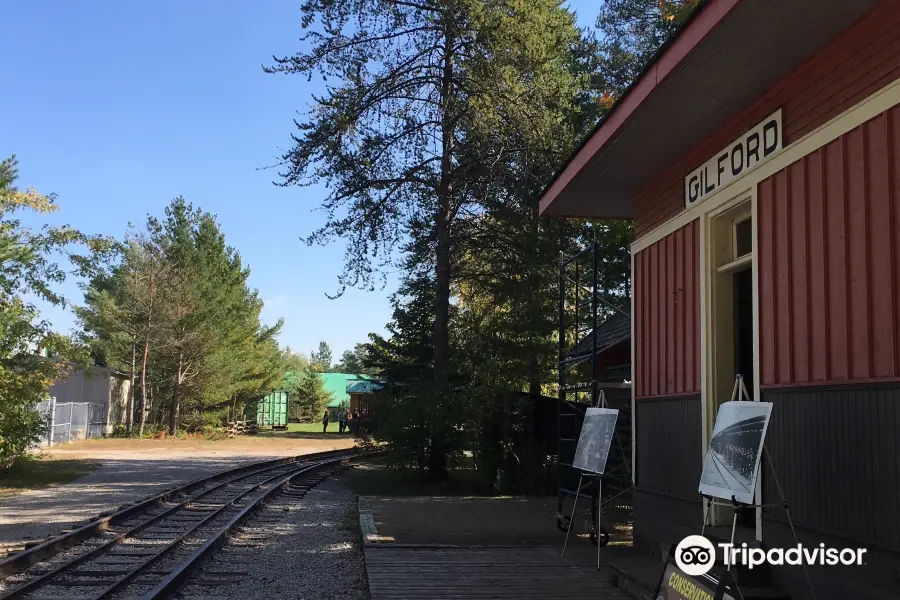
(535, 573)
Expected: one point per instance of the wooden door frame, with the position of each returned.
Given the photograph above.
(744, 196)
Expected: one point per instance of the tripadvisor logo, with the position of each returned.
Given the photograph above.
(695, 555)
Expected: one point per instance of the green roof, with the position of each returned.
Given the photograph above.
(336, 384)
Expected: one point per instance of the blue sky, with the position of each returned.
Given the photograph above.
(118, 107)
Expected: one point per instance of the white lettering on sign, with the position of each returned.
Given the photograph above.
(740, 157)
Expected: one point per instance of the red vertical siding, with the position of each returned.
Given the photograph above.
(858, 62)
(829, 261)
(691, 299)
(667, 315)
(818, 269)
(836, 297)
(765, 250)
(678, 349)
(782, 278)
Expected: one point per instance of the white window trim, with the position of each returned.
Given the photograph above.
(734, 241)
(736, 264)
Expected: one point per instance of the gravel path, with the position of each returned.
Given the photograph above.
(305, 549)
(123, 477)
(36, 514)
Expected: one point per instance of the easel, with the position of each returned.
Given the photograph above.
(602, 537)
(741, 390)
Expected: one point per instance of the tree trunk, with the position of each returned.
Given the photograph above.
(144, 406)
(173, 410)
(437, 459)
(534, 303)
(146, 355)
(129, 412)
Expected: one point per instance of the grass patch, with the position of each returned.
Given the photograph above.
(311, 431)
(311, 427)
(377, 479)
(333, 427)
(32, 473)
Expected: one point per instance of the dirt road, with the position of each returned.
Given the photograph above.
(129, 470)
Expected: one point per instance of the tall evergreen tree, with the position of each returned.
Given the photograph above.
(633, 30)
(321, 359)
(402, 134)
(408, 417)
(354, 361)
(182, 295)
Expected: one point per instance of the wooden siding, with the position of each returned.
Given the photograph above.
(858, 62)
(836, 453)
(829, 261)
(669, 456)
(667, 315)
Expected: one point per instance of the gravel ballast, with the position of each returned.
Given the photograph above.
(303, 548)
(129, 475)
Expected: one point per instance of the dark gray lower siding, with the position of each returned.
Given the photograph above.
(668, 457)
(836, 453)
(878, 579)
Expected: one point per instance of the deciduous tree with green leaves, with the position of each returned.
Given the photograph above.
(32, 356)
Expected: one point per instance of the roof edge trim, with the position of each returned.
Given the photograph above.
(701, 22)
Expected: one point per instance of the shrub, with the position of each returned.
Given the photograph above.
(119, 431)
(202, 422)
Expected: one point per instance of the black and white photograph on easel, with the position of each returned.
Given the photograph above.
(595, 439)
(732, 460)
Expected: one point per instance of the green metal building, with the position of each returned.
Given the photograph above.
(336, 384)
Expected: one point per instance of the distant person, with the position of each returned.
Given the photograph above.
(341, 423)
(325, 422)
(356, 422)
(348, 419)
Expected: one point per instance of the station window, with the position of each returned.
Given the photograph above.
(743, 237)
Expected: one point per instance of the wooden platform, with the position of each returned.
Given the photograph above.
(537, 573)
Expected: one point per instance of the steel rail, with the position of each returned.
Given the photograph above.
(22, 560)
(67, 566)
(181, 574)
(279, 480)
(303, 466)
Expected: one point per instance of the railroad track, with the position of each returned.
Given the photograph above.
(152, 549)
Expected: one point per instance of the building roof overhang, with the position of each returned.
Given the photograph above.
(726, 56)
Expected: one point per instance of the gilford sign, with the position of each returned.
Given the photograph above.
(740, 157)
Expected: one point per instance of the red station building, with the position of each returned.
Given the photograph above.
(759, 157)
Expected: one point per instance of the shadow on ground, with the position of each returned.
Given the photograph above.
(38, 513)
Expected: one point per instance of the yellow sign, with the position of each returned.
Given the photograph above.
(676, 585)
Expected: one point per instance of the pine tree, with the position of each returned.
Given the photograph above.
(633, 30)
(181, 294)
(429, 95)
(321, 359)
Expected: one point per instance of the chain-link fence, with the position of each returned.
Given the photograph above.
(72, 421)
